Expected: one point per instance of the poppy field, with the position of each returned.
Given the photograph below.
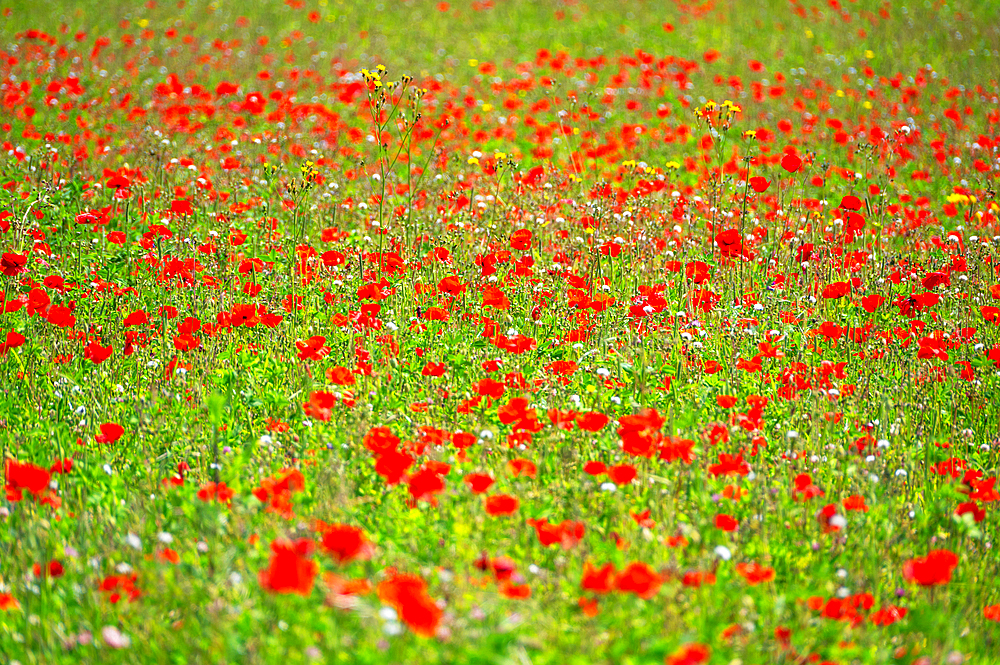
(500, 332)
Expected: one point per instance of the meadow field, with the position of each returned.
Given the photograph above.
(500, 332)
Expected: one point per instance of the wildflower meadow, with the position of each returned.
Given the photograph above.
(500, 332)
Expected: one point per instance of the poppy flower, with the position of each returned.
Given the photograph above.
(320, 405)
(850, 202)
(13, 340)
(934, 279)
(730, 465)
(8, 602)
(119, 586)
(588, 606)
(931, 570)
(380, 439)
(501, 504)
(990, 612)
(725, 401)
(424, 484)
(836, 290)
(730, 243)
(407, 594)
(855, 502)
(567, 533)
(26, 476)
(169, 555)
(340, 376)
(791, 163)
(598, 580)
(392, 466)
(520, 239)
(726, 523)
(220, 492)
(96, 353)
(344, 543)
(522, 467)
(689, 654)
(433, 369)
(313, 348)
(872, 302)
(638, 578)
(289, 571)
(110, 432)
(591, 421)
(887, 615)
(478, 482)
(12, 265)
(642, 519)
(595, 468)
(622, 474)
(754, 573)
(759, 184)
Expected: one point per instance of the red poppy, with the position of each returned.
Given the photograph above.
(340, 376)
(407, 594)
(754, 573)
(730, 243)
(726, 523)
(595, 468)
(836, 290)
(931, 570)
(220, 492)
(591, 421)
(689, 654)
(96, 353)
(642, 519)
(934, 279)
(598, 580)
(855, 502)
(640, 433)
(638, 578)
(392, 466)
(61, 466)
(501, 504)
(343, 542)
(478, 482)
(521, 239)
(888, 615)
(522, 467)
(12, 265)
(433, 369)
(791, 163)
(424, 484)
(489, 388)
(759, 184)
(320, 405)
(26, 476)
(289, 570)
(729, 465)
(110, 432)
(622, 474)
(119, 586)
(313, 348)
(380, 439)
(872, 302)
(588, 606)
(13, 340)
(850, 202)
(567, 534)
(725, 401)
(136, 318)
